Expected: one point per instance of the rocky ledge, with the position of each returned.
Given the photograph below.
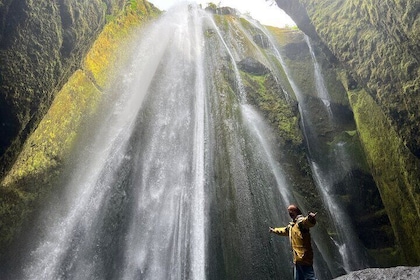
(400, 272)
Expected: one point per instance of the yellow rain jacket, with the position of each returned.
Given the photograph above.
(300, 239)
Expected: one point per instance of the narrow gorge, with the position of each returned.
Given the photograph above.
(141, 144)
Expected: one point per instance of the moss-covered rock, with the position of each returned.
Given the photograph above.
(43, 154)
(329, 137)
(395, 169)
(38, 165)
(41, 44)
(283, 114)
(379, 42)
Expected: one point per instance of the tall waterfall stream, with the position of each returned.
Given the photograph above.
(178, 178)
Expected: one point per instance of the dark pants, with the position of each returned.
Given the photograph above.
(304, 272)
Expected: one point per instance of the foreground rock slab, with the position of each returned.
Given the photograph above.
(400, 272)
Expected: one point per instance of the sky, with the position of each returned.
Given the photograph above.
(265, 11)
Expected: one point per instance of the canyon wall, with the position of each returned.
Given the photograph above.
(57, 60)
(376, 47)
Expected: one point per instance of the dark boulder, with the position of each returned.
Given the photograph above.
(252, 66)
(226, 11)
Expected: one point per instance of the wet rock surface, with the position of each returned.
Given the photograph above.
(252, 66)
(400, 272)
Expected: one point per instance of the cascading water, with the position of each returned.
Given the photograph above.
(321, 89)
(261, 130)
(179, 178)
(351, 251)
(147, 163)
(349, 248)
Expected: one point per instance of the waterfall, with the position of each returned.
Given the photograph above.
(321, 89)
(351, 251)
(179, 176)
(147, 162)
(166, 237)
(348, 246)
(262, 133)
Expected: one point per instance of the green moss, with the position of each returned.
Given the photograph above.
(271, 101)
(361, 34)
(108, 53)
(44, 43)
(221, 22)
(38, 165)
(212, 6)
(246, 24)
(394, 168)
(285, 36)
(55, 135)
(388, 257)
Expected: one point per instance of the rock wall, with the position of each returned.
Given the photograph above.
(377, 45)
(41, 45)
(41, 159)
(400, 272)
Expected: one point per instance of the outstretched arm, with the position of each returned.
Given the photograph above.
(308, 221)
(311, 217)
(280, 231)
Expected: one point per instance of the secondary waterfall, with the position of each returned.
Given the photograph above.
(321, 89)
(179, 176)
(352, 255)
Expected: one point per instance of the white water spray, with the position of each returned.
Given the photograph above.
(259, 128)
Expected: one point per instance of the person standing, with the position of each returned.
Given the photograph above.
(300, 239)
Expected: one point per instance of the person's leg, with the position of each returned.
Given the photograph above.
(308, 272)
(298, 272)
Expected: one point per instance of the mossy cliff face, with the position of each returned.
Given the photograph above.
(41, 45)
(261, 89)
(377, 44)
(277, 102)
(394, 168)
(355, 182)
(41, 160)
